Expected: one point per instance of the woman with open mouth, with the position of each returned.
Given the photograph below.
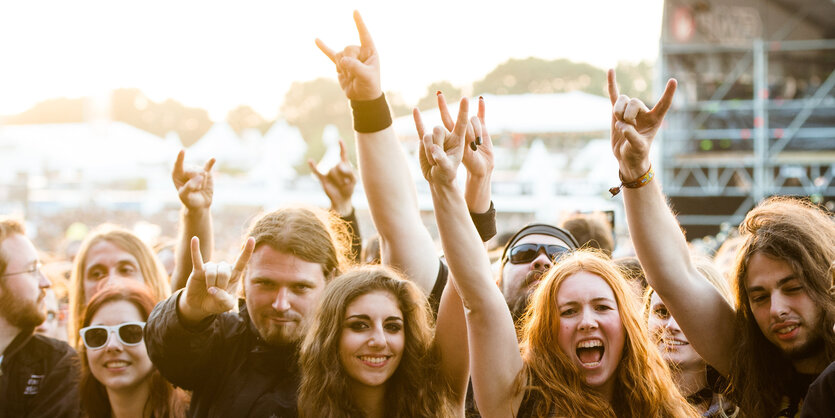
(585, 348)
(117, 377)
(700, 383)
(372, 350)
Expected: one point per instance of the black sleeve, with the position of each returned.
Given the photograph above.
(183, 355)
(820, 399)
(58, 395)
(438, 289)
(356, 239)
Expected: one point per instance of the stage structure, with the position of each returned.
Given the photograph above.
(755, 109)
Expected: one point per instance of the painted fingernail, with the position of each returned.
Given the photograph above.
(478, 140)
(438, 93)
(473, 146)
(480, 97)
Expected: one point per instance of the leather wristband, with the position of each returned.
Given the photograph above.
(485, 223)
(371, 115)
(640, 182)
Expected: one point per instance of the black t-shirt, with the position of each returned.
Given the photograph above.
(792, 401)
(820, 398)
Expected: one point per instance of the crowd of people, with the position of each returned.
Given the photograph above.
(308, 322)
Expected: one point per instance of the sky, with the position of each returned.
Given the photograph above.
(219, 55)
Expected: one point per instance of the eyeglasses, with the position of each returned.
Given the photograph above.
(31, 270)
(525, 253)
(97, 336)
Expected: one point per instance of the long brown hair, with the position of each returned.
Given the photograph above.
(643, 388)
(164, 400)
(414, 389)
(153, 273)
(802, 235)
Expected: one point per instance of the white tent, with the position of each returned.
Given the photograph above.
(527, 113)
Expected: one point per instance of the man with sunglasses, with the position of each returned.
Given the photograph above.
(38, 375)
(526, 257)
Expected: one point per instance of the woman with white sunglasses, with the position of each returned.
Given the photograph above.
(117, 377)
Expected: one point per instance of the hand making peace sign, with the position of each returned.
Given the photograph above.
(634, 127)
(358, 67)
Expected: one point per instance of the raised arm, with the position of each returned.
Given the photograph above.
(338, 184)
(703, 314)
(389, 188)
(195, 188)
(494, 352)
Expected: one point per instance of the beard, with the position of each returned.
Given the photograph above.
(19, 313)
(811, 348)
(518, 301)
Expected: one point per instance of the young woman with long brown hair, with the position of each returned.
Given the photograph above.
(373, 351)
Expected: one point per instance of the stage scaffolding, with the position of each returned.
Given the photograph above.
(754, 114)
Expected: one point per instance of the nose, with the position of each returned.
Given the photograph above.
(779, 306)
(282, 300)
(542, 261)
(588, 321)
(43, 281)
(113, 343)
(377, 338)
(671, 325)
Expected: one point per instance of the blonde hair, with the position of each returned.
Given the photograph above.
(643, 385)
(153, 273)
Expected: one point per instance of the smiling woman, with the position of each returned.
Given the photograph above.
(370, 351)
(117, 378)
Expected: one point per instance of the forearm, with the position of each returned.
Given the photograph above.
(657, 238)
(466, 257)
(392, 201)
(477, 193)
(494, 353)
(193, 222)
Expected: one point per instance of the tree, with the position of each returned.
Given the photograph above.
(429, 101)
(535, 75)
(244, 117)
(312, 105)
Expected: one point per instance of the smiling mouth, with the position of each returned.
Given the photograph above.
(374, 361)
(674, 343)
(118, 364)
(590, 352)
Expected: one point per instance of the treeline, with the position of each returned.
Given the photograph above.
(314, 104)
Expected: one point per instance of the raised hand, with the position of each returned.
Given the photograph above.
(209, 288)
(441, 151)
(634, 127)
(478, 149)
(339, 182)
(194, 186)
(358, 67)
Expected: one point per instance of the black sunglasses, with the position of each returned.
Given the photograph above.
(96, 336)
(525, 253)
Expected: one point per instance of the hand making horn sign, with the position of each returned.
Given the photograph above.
(209, 288)
(634, 127)
(358, 67)
(339, 182)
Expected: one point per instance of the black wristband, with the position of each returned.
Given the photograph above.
(371, 115)
(485, 223)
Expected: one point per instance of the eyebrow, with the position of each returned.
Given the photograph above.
(604, 299)
(368, 318)
(780, 283)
